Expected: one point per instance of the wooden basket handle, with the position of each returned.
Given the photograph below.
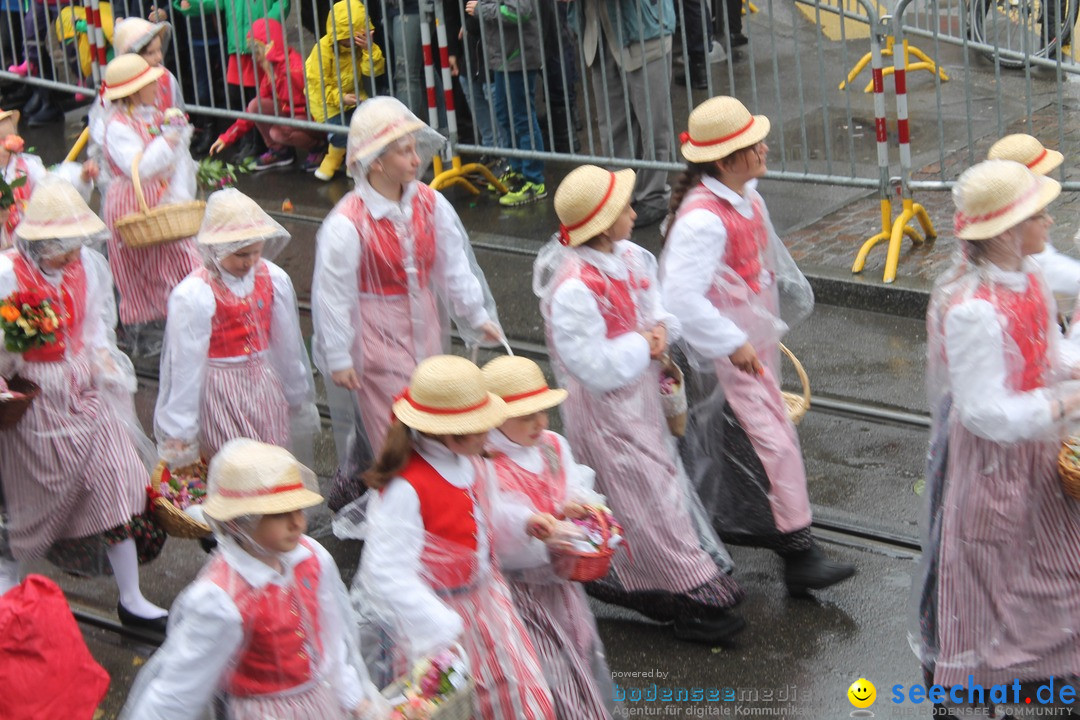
(138, 183)
(800, 371)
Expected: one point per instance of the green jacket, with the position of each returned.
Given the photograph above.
(239, 14)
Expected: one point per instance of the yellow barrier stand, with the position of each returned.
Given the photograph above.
(894, 231)
(77, 148)
(457, 174)
(925, 63)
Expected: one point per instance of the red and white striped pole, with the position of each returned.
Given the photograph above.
(447, 80)
(96, 36)
(429, 72)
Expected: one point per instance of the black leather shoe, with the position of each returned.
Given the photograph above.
(709, 631)
(813, 570)
(47, 115)
(699, 75)
(130, 619)
(738, 40)
(648, 214)
(38, 98)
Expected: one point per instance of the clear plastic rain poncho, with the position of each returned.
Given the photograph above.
(234, 363)
(389, 278)
(131, 35)
(997, 594)
(728, 288)
(259, 642)
(545, 477)
(594, 305)
(75, 466)
(420, 594)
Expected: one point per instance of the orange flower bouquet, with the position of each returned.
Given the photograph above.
(28, 320)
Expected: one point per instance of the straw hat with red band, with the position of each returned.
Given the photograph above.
(1027, 151)
(720, 126)
(447, 396)
(248, 477)
(996, 195)
(127, 75)
(589, 201)
(57, 211)
(521, 384)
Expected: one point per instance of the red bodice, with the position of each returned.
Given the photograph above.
(746, 238)
(382, 268)
(241, 326)
(278, 643)
(615, 298)
(449, 517)
(1025, 317)
(68, 302)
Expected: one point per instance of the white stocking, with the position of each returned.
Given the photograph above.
(125, 565)
(10, 572)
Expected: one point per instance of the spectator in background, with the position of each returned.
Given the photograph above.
(635, 73)
(241, 72)
(510, 30)
(281, 93)
(333, 69)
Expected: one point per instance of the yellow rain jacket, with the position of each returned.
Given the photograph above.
(333, 67)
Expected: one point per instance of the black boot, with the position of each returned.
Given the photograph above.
(811, 569)
(48, 113)
(699, 74)
(718, 628)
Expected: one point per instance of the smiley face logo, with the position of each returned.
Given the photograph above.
(862, 693)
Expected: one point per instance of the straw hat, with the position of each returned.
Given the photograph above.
(12, 116)
(133, 34)
(996, 195)
(248, 477)
(589, 200)
(1026, 150)
(447, 396)
(56, 211)
(232, 217)
(520, 383)
(128, 74)
(375, 124)
(720, 126)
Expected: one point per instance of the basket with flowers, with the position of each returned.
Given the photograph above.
(673, 396)
(29, 320)
(439, 688)
(175, 495)
(591, 550)
(1069, 466)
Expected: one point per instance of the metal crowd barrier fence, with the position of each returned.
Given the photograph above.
(592, 88)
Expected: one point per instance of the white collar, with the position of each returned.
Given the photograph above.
(254, 571)
(380, 206)
(456, 469)
(239, 286)
(529, 458)
(725, 193)
(1016, 280)
(611, 264)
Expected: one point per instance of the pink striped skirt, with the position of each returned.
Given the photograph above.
(1009, 574)
(314, 703)
(623, 436)
(389, 352)
(69, 468)
(144, 276)
(563, 631)
(509, 682)
(242, 400)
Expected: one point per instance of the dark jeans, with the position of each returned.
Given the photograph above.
(339, 140)
(512, 96)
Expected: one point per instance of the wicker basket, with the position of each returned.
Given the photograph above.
(457, 706)
(1069, 471)
(159, 225)
(13, 409)
(588, 566)
(797, 404)
(175, 521)
(675, 406)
